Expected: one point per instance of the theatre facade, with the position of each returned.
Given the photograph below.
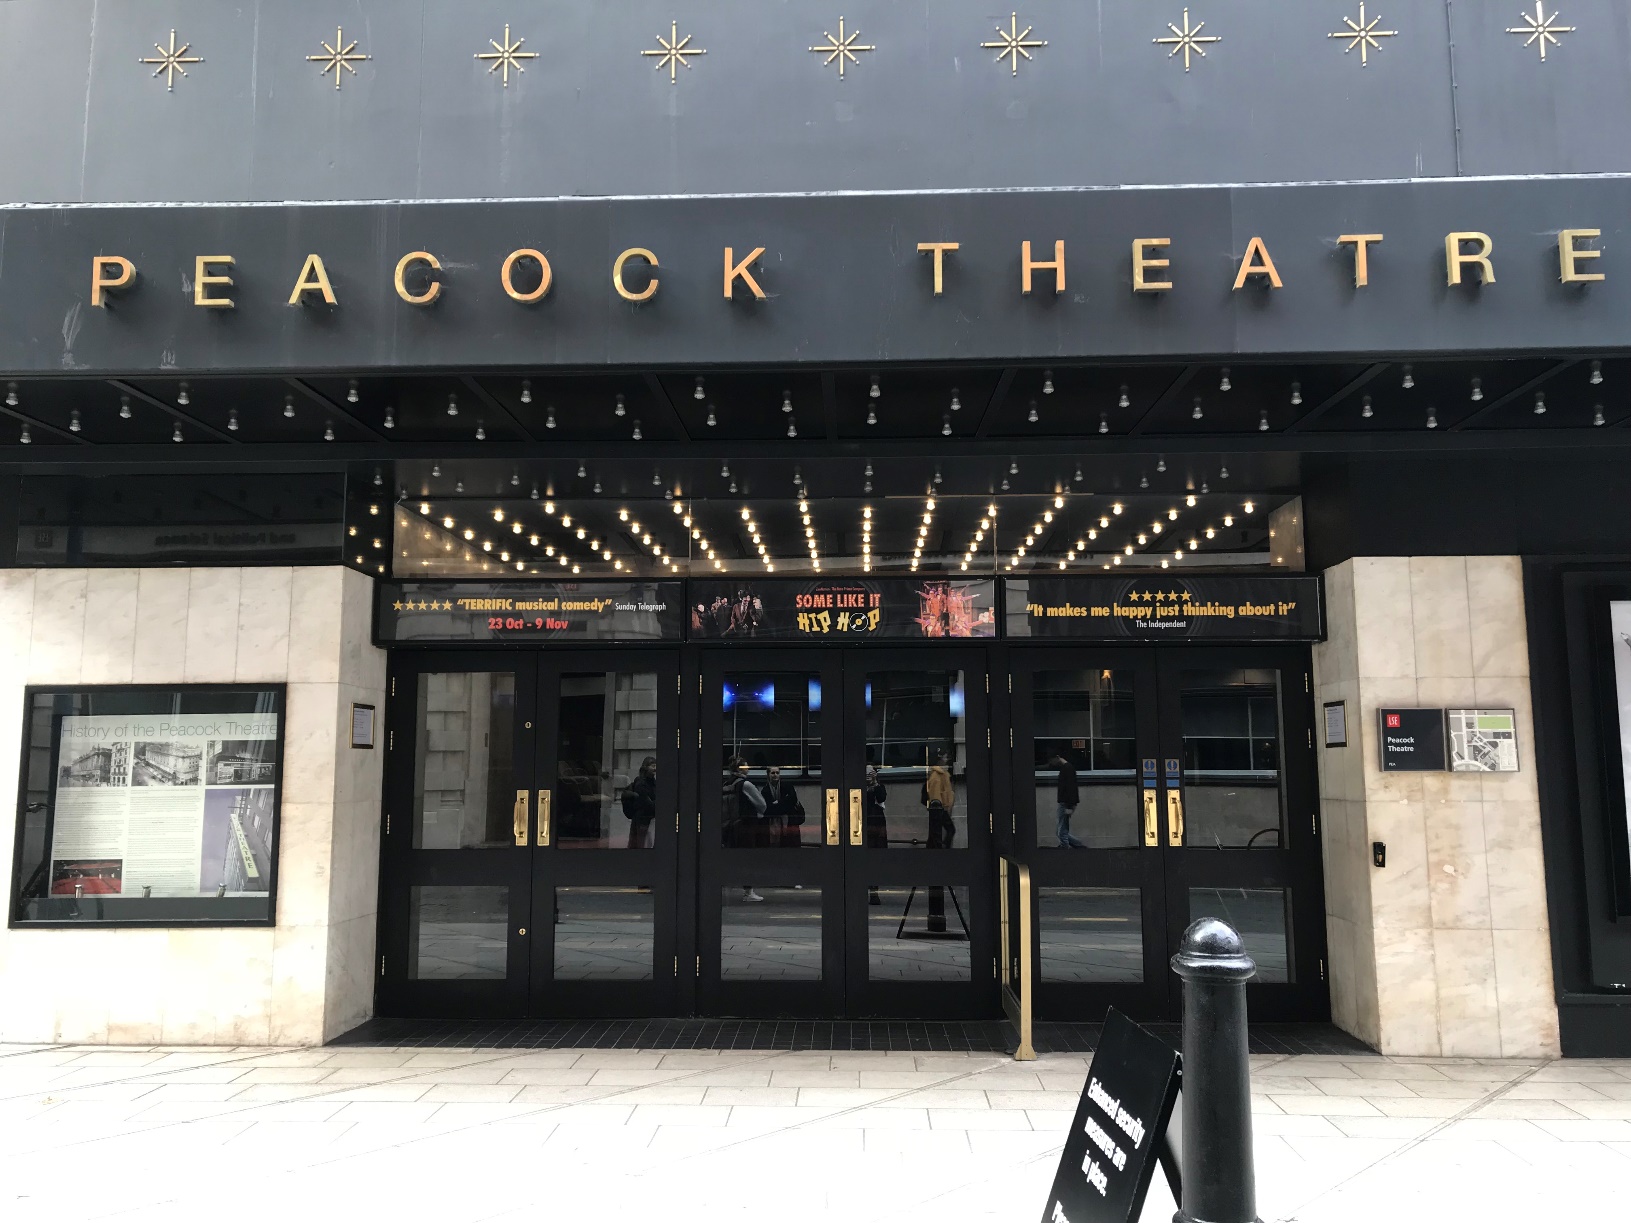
(544, 514)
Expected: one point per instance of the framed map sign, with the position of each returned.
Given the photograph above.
(1482, 740)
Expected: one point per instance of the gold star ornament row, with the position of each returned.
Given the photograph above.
(1186, 38)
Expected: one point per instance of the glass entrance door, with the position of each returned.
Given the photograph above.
(530, 835)
(1156, 787)
(820, 769)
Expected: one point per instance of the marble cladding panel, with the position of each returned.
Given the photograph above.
(1456, 922)
(295, 983)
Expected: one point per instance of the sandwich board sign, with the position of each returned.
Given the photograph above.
(1120, 1129)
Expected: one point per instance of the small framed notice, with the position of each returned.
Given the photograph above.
(1483, 740)
(1336, 724)
(362, 725)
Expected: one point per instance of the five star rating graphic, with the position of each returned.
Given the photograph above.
(1541, 29)
(422, 605)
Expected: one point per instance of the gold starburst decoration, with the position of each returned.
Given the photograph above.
(338, 57)
(506, 55)
(1188, 40)
(1013, 43)
(841, 48)
(1542, 28)
(670, 52)
(170, 60)
(1363, 34)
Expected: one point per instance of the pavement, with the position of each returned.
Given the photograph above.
(461, 1135)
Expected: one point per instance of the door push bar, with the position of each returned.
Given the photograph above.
(520, 816)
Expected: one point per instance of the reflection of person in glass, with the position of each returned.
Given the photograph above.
(940, 797)
(783, 810)
(745, 807)
(640, 803)
(1067, 798)
(876, 795)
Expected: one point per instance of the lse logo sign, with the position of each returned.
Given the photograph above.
(1393, 721)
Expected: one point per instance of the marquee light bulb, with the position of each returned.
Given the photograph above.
(1228, 520)
(1248, 507)
(1115, 509)
(549, 507)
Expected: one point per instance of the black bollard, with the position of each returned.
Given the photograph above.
(1219, 1184)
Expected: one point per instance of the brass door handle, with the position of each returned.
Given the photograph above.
(543, 817)
(832, 817)
(1175, 818)
(1152, 818)
(520, 815)
(855, 817)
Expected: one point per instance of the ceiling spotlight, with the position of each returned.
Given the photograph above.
(1104, 422)
(1160, 464)
(1409, 379)
(1296, 394)
(636, 434)
(871, 416)
(1013, 467)
(1540, 403)
(1032, 416)
(549, 507)
(1077, 478)
(699, 393)
(25, 439)
(1172, 515)
(1189, 501)
(1597, 415)
(1197, 412)
(1263, 421)
(124, 407)
(1211, 532)
(481, 432)
(328, 431)
(956, 403)
(876, 391)
(1365, 408)
(1128, 549)
(1432, 417)
(183, 395)
(288, 407)
(792, 429)
(787, 401)
(232, 418)
(1249, 507)
(452, 405)
(11, 394)
(945, 426)
(1223, 381)
(1047, 382)
(712, 419)
(176, 436)
(1115, 509)
(390, 418)
(1103, 522)
(352, 395)
(1125, 400)
(1228, 520)
(1223, 472)
(619, 409)
(1596, 373)
(549, 417)
(73, 421)
(1143, 481)
(1477, 390)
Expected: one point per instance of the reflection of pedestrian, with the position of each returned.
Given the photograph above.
(745, 806)
(783, 811)
(1068, 797)
(877, 823)
(940, 797)
(640, 803)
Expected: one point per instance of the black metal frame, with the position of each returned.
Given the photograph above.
(174, 907)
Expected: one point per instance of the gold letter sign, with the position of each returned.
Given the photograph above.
(1455, 258)
(506, 275)
(313, 279)
(204, 280)
(1027, 265)
(735, 270)
(101, 282)
(1256, 262)
(1568, 254)
(938, 249)
(1143, 265)
(1361, 244)
(402, 265)
(623, 291)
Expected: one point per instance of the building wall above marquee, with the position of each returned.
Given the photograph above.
(257, 102)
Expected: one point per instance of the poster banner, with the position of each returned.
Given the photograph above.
(426, 613)
(163, 805)
(1161, 607)
(841, 609)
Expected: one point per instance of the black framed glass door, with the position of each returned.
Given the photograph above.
(1153, 787)
(819, 768)
(529, 861)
